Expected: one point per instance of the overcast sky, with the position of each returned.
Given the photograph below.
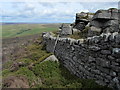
(48, 12)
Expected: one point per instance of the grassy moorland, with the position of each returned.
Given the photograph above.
(17, 30)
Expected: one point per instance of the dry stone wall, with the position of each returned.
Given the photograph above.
(97, 57)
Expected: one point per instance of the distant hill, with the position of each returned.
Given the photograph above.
(7, 23)
(22, 29)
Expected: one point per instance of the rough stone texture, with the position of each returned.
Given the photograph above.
(75, 30)
(82, 20)
(94, 31)
(107, 14)
(80, 26)
(107, 20)
(96, 57)
(65, 29)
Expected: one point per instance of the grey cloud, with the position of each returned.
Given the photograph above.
(51, 11)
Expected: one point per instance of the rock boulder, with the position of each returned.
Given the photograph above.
(107, 20)
(65, 29)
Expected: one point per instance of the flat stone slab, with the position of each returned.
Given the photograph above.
(51, 58)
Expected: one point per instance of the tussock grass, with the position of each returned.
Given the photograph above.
(52, 76)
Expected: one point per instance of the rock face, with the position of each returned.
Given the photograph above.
(107, 20)
(81, 21)
(94, 31)
(110, 14)
(65, 29)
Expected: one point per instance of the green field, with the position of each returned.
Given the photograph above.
(16, 30)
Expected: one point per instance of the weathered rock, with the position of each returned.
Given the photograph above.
(118, 60)
(94, 48)
(116, 52)
(117, 38)
(115, 63)
(94, 40)
(103, 63)
(91, 59)
(100, 82)
(96, 23)
(81, 21)
(105, 52)
(51, 58)
(112, 73)
(84, 15)
(75, 30)
(107, 20)
(111, 29)
(106, 14)
(95, 71)
(110, 57)
(65, 29)
(80, 26)
(81, 15)
(116, 82)
(93, 31)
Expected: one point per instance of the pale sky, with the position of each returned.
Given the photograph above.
(48, 12)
